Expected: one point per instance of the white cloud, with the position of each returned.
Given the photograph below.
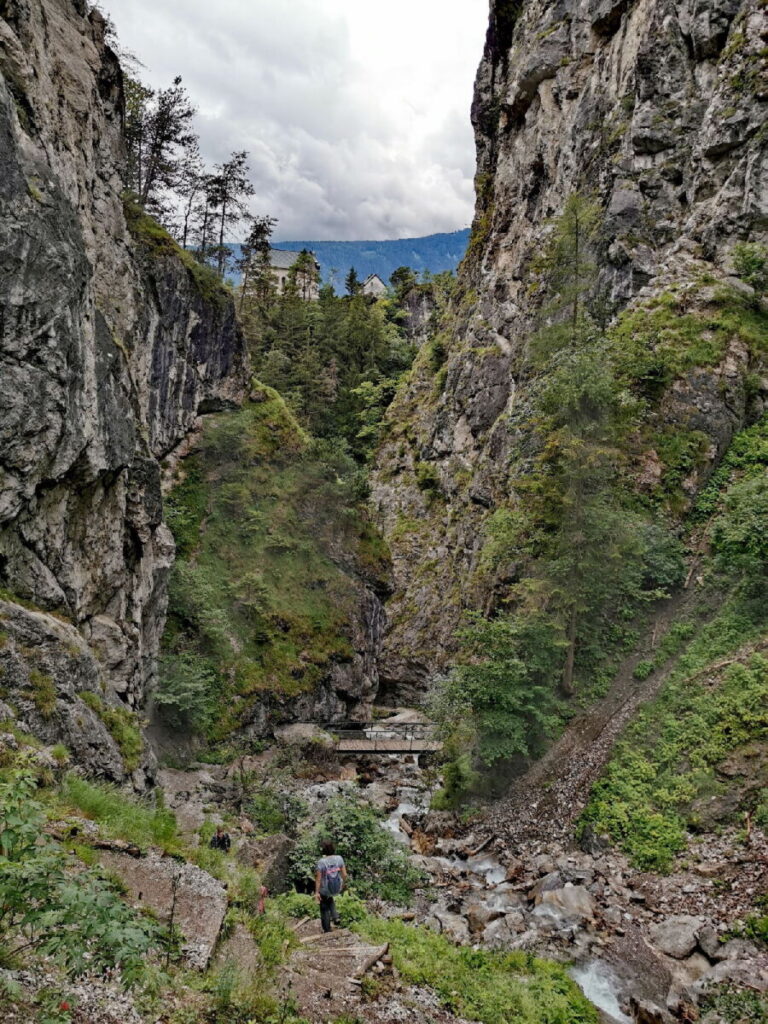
(355, 114)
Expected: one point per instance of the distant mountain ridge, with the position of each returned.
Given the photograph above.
(432, 252)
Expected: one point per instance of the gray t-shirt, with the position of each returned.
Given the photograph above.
(329, 867)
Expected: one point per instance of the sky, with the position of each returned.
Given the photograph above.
(355, 114)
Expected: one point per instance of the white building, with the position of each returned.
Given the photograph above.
(373, 285)
(281, 261)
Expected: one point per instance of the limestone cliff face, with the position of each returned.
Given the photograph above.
(110, 349)
(658, 110)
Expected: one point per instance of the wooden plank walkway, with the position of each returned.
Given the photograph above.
(389, 745)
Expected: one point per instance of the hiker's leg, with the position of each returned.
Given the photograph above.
(325, 912)
(334, 911)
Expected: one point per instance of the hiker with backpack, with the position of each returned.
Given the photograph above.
(330, 878)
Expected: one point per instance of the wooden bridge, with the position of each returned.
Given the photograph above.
(385, 737)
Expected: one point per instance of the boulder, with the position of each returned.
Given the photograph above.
(709, 940)
(572, 904)
(552, 880)
(269, 857)
(736, 949)
(737, 972)
(646, 1012)
(676, 936)
(166, 886)
(454, 926)
(498, 934)
(685, 974)
(645, 973)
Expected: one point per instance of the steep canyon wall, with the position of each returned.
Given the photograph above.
(112, 344)
(654, 109)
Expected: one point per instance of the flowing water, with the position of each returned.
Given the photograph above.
(600, 985)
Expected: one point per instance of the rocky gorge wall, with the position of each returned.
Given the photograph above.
(656, 110)
(112, 344)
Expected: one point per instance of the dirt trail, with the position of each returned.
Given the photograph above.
(545, 802)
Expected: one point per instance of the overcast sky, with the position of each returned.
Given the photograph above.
(355, 113)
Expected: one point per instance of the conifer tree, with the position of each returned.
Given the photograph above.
(230, 188)
(352, 282)
(253, 263)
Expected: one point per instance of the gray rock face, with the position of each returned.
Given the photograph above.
(676, 936)
(109, 353)
(197, 901)
(654, 108)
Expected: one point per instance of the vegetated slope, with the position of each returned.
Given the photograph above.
(434, 253)
(112, 342)
(273, 608)
(653, 119)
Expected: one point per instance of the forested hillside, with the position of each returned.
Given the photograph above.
(433, 253)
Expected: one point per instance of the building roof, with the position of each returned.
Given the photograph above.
(373, 277)
(283, 259)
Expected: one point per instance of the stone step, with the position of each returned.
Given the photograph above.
(324, 974)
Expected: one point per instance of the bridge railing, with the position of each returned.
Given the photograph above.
(381, 737)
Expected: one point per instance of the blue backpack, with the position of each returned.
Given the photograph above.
(333, 880)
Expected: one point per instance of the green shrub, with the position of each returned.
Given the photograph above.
(377, 865)
(427, 477)
(274, 810)
(643, 669)
(750, 260)
(186, 691)
(76, 919)
(739, 536)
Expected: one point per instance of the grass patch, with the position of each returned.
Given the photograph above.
(42, 692)
(494, 988)
(120, 816)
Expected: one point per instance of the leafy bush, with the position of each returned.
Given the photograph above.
(502, 693)
(186, 690)
(73, 917)
(643, 669)
(750, 261)
(377, 865)
(274, 810)
(739, 535)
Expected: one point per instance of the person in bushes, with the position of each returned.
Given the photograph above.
(330, 879)
(221, 840)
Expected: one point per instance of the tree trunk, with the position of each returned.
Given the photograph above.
(221, 238)
(204, 236)
(570, 657)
